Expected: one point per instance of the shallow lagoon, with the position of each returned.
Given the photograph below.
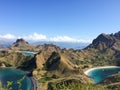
(15, 76)
(99, 74)
(28, 53)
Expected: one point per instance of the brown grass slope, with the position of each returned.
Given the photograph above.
(112, 82)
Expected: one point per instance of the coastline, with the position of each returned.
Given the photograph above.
(87, 71)
(35, 83)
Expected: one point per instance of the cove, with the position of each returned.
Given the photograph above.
(18, 78)
(28, 53)
(100, 73)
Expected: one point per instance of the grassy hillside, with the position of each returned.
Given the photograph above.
(53, 66)
(112, 82)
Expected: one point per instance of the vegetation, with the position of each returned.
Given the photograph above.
(27, 63)
(112, 82)
(75, 86)
(64, 63)
(53, 59)
(44, 79)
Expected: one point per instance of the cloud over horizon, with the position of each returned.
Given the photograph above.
(8, 36)
(41, 37)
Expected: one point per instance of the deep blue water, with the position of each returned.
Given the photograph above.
(97, 75)
(14, 75)
(27, 53)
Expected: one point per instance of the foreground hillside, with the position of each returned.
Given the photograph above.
(112, 82)
(57, 68)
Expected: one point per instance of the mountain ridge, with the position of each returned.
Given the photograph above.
(104, 41)
(54, 63)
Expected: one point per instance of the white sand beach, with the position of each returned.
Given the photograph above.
(87, 71)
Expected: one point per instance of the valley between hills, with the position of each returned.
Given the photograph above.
(63, 69)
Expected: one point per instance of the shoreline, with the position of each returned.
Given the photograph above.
(87, 71)
(35, 83)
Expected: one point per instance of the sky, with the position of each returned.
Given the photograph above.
(58, 20)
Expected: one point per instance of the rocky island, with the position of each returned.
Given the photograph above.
(61, 69)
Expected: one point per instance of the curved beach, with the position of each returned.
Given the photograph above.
(89, 70)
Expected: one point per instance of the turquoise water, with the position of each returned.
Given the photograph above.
(14, 75)
(97, 75)
(27, 53)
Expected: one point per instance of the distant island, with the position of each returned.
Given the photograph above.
(59, 68)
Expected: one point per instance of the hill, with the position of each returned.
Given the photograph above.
(22, 45)
(53, 64)
(112, 82)
(106, 41)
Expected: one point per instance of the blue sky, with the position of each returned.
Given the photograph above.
(58, 20)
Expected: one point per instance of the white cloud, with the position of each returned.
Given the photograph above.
(35, 37)
(62, 39)
(68, 39)
(7, 36)
(41, 37)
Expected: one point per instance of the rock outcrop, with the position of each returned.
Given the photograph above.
(52, 62)
(105, 41)
(21, 44)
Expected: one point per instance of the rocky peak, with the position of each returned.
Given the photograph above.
(117, 35)
(104, 41)
(21, 41)
(21, 44)
(106, 38)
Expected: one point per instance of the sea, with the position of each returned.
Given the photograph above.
(99, 74)
(15, 79)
